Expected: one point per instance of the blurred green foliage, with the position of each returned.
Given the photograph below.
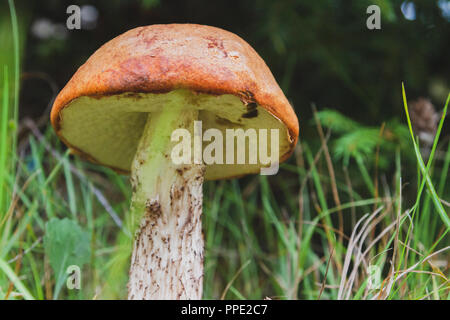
(354, 140)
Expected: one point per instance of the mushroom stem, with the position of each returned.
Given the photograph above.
(167, 259)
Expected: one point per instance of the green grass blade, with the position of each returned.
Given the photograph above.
(4, 140)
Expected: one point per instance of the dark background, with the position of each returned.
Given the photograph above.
(319, 51)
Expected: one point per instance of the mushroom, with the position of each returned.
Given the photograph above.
(121, 108)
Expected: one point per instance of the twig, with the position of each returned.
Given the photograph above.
(334, 188)
(20, 255)
(234, 278)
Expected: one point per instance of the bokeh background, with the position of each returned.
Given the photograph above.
(264, 236)
(319, 51)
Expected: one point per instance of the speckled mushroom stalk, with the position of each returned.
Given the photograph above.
(119, 110)
(167, 259)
